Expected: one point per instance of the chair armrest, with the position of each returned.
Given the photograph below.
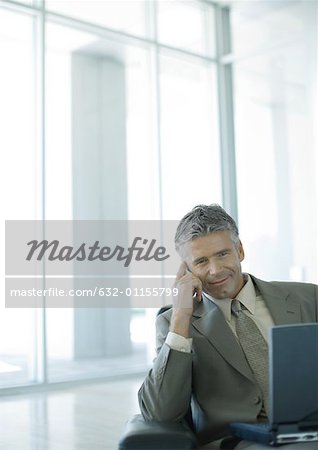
(140, 434)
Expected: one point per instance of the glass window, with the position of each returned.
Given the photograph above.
(129, 134)
(142, 156)
(20, 183)
(189, 136)
(124, 15)
(100, 165)
(188, 25)
(275, 95)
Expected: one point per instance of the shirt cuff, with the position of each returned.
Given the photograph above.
(179, 343)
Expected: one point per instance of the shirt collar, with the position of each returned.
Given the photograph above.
(246, 296)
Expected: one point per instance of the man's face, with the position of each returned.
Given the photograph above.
(216, 260)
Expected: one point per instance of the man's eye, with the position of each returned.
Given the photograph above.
(200, 262)
(223, 254)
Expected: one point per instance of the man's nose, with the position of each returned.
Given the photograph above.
(214, 267)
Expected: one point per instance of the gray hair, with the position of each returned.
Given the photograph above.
(202, 220)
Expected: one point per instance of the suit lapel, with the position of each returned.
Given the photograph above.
(210, 322)
(283, 308)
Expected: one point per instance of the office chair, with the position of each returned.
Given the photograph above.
(140, 434)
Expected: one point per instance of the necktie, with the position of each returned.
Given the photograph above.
(255, 348)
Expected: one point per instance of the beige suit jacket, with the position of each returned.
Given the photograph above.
(215, 378)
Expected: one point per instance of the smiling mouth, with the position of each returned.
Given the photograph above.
(216, 283)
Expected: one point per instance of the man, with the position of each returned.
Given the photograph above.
(200, 360)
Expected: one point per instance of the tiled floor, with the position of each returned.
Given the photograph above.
(87, 417)
(74, 369)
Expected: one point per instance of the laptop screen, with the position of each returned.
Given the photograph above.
(293, 373)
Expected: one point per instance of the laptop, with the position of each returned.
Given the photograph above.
(293, 389)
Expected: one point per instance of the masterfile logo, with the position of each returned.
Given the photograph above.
(92, 263)
(144, 251)
(87, 247)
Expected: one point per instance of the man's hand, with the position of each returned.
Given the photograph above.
(189, 290)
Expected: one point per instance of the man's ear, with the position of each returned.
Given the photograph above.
(240, 251)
